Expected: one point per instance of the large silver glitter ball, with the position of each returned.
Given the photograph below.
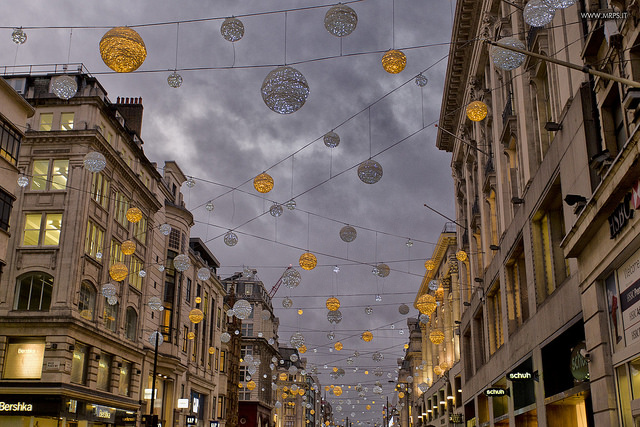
(209, 206)
(155, 304)
(293, 357)
(287, 302)
(156, 336)
(340, 20)
(231, 238)
(370, 171)
(165, 229)
(334, 317)
(403, 309)
(507, 59)
(291, 278)
(433, 285)
(331, 139)
(174, 80)
(296, 340)
(561, 4)
(377, 389)
(181, 262)
(112, 300)
(18, 36)
(232, 29)
(242, 309)
(538, 13)
(225, 337)
(348, 233)
(368, 310)
(378, 372)
(377, 356)
(275, 210)
(109, 290)
(23, 181)
(423, 387)
(383, 270)
(204, 273)
(421, 80)
(285, 90)
(64, 87)
(94, 161)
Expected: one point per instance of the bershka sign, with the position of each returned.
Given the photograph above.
(495, 392)
(519, 376)
(16, 407)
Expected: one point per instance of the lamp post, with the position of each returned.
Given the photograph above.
(152, 416)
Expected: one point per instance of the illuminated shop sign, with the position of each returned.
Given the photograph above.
(495, 392)
(191, 420)
(520, 375)
(16, 407)
(579, 363)
(104, 412)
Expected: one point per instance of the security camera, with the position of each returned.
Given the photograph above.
(573, 199)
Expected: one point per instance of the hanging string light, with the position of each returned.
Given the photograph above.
(426, 304)
(421, 80)
(340, 20)
(333, 303)
(461, 255)
(122, 49)
(394, 61)
(230, 238)
(118, 271)
(134, 215)
(436, 337)
(308, 261)
(285, 90)
(331, 139)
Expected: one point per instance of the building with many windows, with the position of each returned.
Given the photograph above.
(91, 276)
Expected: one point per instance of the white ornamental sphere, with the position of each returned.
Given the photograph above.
(331, 336)
(64, 87)
(334, 317)
(285, 90)
(423, 387)
(243, 309)
(112, 300)
(507, 59)
(291, 204)
(181, 262)
(377, 356)
(370, 171)
(109, 290)
(409, 379)
(293, 357)
(296, 340)
(560, 4)
(156, 337)
(433, 285)
(377, 390)
(424, 318)
(383, 270)
(94, 161)
(155, 304)
(331, 139)
(23, 181)
(275, 210)
(209, 206)
(378, 372)
(18, 36)
(271, 342)
(348, 233)
(287, 302)
(231, 238)
(340, 20)
(291, 278)
(368, 310)
(421, 80)
(225, 337)
(204, 273)
(232, 29)
(248, 358)
(165, 229)
(142, 273)
(190, 182)
(378, 298)
(174, 80)
(538, 13)
(266, 315)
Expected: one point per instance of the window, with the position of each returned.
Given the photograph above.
(217, 359)
(104, 372)
(33, 292)
(115, 253)
(66, 121)
(194, 345)
(140, 230)
(121, 207)
(205, 303)
(100, 189)
(125, 378)
(496, 337)
(79, 364)
(247, 329)
(246, 350)
(221, 408)
(174, 239)
(93, 240)
(6, 203)
(49, 175)
(244, 393)
(9, 143)
(110, 315)
(185, 338)
(219, 317)
(517, 293)
(23, 358)
(188, 291)
(46, 121)
(135, 266)
(42, 229)
(131, 324)
(87, 301)
(222, 360)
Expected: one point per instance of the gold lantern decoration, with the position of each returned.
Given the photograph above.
(300, 312)
(338, 346)
(368, 407)
(439, 293)
(118, 271)
(394, 61)
(191, 335)
(308, 261)
(427, 304)
(128, 247)
(302, 349)
(122, 49)
(337, 390)
(196, 315)
(333, 303)
(461, 255)
(406, 346)
(134, 215)
(477, 111)
(367, 336)
(198, 300)
(430, 264)
(436, 337)
(212, 350)
(437, 370)
(326, 388)
(283, 376)
(251, 385)
(263, 183)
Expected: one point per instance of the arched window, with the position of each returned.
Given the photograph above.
(33, 292)
(110, 315)
(131, 324)
(87, 302)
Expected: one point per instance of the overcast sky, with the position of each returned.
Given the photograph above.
(218, 129)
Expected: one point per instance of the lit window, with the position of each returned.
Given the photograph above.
(55, 172)
(100, 189)
(496, 337)
(131, 324)
(59, 174)
(66, 121)
(140, 230)
(46, 121)
(42, 229)
(222, 360)
(87, 302)
(33, 292)
(135, 265)
(110, 315)
(125, 378)
(93, 240)
(121, 207)
(247, 329)
(104, 372)
(116, 254)
(39, 174)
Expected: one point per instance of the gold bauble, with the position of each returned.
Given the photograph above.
(308, 261)
(251, 385)
(394, 61)
(212, 350)
(461, 256)
(312, 412)
(367, 336)
(477, 111)
(282, 377)
(439, 294)
(301, 391)
(326, 388)
(368, 407)
(122, 49)
(335, 369)
(196, 315)
(430, 264)
(284, 396)
(263, 183)
(338, 346)
(444, 366)
(302, 349)
(337, 390)
(128, 247)
(401, 395)
(333, 303)
(198, 300)
(436, 337)
(437, 370)
(118, 271)
(426, 304)
(406, 346)
(134, 215)
(300, 312)
(191, 335)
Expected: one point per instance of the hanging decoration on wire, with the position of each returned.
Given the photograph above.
(340, 20)
(538, 13)
(175, 80)
(506, 59)
(122, 49)
(232, 29)
(394, 61)
(18, 36)
(263, 183)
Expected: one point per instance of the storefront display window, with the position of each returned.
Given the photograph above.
(79, 364)
(23, 358)
(634, 367)
(624, 395)
(104, 372)
(125, 378)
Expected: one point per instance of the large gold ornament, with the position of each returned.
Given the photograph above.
(426, 304)
(461, 255)
(436, 336)
(338, 346)
(263, 183)
(196, 315)
(337, 390)
(367, 336)
(477, 111)
(308, 261)
(128, 247)
(430, 264)
(394, 61)
(333, 303)
(122, 49)
(118, 271)
(134, 215)
(251, 385)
